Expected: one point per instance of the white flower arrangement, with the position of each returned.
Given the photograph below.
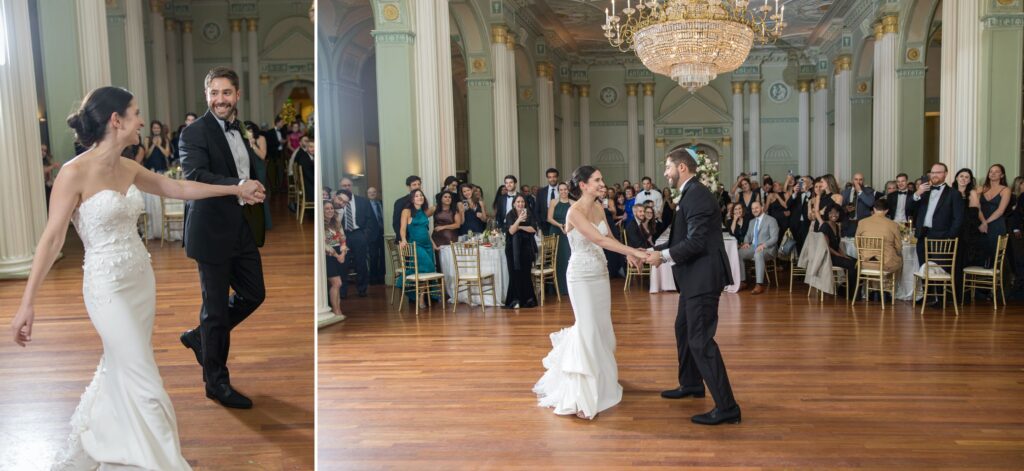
(707, 171)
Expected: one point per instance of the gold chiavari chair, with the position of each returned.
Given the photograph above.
(419, 284)
(633, 273)
(469, 274)
(396, 265)
(545, 271)
(988, 278)
(941, 253)
(873, 271)
(300, 186)
(173, 213)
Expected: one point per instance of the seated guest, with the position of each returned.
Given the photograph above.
(415, 227)
(521, 251)
(634, 235)
(832, 230)
(759, 244)
(305, 161)
(878, 225)
(738, 223)
(629, 201)
(652, 227)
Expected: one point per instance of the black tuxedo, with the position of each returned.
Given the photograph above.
(396, 216)
(307, 168)
(634, 236)
(376, 243)
(799, 224)
(946, 219)
(701, 272)
(893, 200)
(502, 208)
(542, 200)
(221, 235)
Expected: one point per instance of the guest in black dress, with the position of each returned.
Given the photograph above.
(776, 202)
(971, 245)
(831, 229)
(738, 223)
(746, 196)
(474, 215)
(521, 251)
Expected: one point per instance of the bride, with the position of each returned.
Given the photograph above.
(125, 418)
(582, 377)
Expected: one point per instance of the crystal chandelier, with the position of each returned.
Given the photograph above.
(692, 41)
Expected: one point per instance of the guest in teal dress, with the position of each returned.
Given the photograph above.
(259, 146)
(556, 226)
(416, 228)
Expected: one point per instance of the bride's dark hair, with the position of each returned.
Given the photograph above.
(90, 121)
(580, 175)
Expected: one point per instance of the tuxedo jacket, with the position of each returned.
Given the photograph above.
(396, 216)
(696, 245)
(213, 225)
(893, 200)
(634, 236)
(946, 220)
(541, 203)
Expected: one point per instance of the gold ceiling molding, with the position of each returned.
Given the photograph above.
(913, 54)
(390, 12)
(498, 33)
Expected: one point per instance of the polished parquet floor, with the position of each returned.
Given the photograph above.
(822, 385)
(272, 358)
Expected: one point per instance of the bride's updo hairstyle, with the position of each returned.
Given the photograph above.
(580, 175)
(90, 121)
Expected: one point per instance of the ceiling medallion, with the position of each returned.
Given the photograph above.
(692, 41)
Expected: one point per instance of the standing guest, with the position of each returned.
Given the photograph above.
(521, 251)
(447, 220)
(50, 167)
(668, 207)
(137, 151)
(376, 256)
(504, 202)
(971, 246)
(415, 228)
(938, 210)
(190, 118)
(650, 193)
(359, 224)
(294, 137)
(158, 148)
(334, 243)
(858, 200)
(412, 183)
(629, 196)
(1016, 225)
(746, 196)
(258, 144)
(898, 200)
(776, 203)
(276, 140)
(616, 262)
(890, 186)
(994, 198)
(450, 185)
(545, 198)
(474, 215)
(557, 214)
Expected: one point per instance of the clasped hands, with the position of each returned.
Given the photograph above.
(252, 192)
(640, 257)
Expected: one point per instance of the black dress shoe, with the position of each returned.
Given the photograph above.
(228, 397)
(716, 417)
(190, 339)
(681, 392)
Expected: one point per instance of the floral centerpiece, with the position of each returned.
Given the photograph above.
(174, 172)
(707, 171)
(288, 112)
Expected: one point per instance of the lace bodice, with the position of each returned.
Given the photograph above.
(107, 224)
(587, 259)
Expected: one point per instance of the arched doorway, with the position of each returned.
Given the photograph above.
(302, 95)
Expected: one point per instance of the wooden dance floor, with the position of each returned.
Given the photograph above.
(271, 361)
(820, 386)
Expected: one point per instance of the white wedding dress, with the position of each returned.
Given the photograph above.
(582, 377)
(125, 419)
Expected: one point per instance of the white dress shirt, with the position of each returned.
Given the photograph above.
(238, 153)
(651, 195)
(933, 202)
(552, 194)
(901, 207)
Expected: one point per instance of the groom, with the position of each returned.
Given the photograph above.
(219, 232)
(701, 272)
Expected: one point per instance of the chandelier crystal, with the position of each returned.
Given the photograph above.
(692, 41)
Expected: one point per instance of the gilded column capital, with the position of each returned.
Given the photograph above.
(186, 26)
(737, 88)
(156, 6)
(804, 85)
(251, 25)
(170, 25)
(648, 89)
(510, 40)
(755, 87)
(843, 62)
(879, 31)
(498, 33)
(821, 83)
(660, 142)
(727, 140)
(584, 90)
(631, 89)
(566, 88)
(545, 70)
(890, 23)
(236, 26)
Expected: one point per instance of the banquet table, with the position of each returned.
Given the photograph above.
(661, 276)
(905, 281)
(492, 260)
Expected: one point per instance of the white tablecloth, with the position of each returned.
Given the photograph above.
(905, 281)
(492, 260)
(156, 219)
(661, 277)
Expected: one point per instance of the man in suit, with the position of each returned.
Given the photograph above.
(858, 200)
(799, 224)
(634, 236)
(276, 157)
(304, 158)
(937, 208)
(376, 256)
(899, 200)
(696, 247)
(504, 203)
(359, 223)
(220, 233)
(412, 183)
(546, 196)
(190, 118)
(759, 244)
(878, 225)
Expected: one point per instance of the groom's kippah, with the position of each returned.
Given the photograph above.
(692, 153)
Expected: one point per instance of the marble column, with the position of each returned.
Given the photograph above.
(650, 157)
(162, 107)
(513, 94)
(428, 112)
(503, 109)
(568, 163)
(236, 60)
(545, 118)
(443, 70)
(253, 92)
(632, 133)
(804, 129)
(22, 196)
(737, 130)
(885, 142)
(843, 163)
(585, 158)
(819, 128)
(755, 128)
(188, 65)
(135, 52)
(173, 73)
(960, 86)
(93, 48)
(723, 164)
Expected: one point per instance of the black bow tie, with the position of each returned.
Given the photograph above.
(938, 188)
(647, 193)
(232, 125)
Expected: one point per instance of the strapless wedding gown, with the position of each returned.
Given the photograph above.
(582, 377)
(125, 419)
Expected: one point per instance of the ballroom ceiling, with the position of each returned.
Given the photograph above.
(576, 24)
